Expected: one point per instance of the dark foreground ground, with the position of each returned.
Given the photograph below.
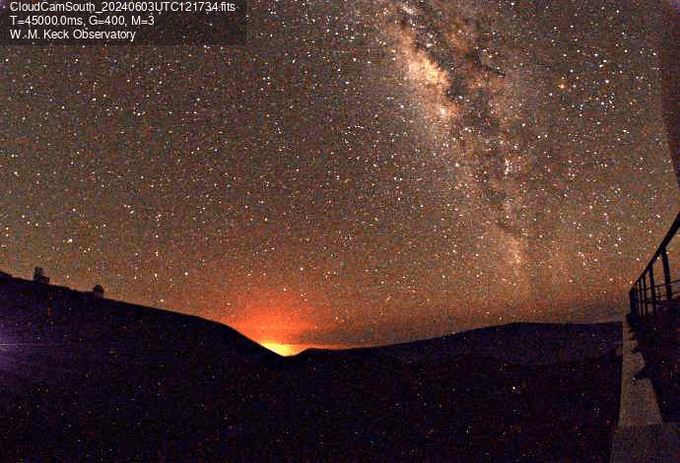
(83, 378)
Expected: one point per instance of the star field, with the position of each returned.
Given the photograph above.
(359, 173)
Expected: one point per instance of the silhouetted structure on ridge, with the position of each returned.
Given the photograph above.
(39, 276)
(98, 291)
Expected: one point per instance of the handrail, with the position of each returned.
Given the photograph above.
(664, 243)
(645, 283)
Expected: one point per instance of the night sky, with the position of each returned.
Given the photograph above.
(362, 172)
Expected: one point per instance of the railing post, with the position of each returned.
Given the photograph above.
(642, 296)
(666, 274)
(638, 291)
(644, 291)
(652, 286)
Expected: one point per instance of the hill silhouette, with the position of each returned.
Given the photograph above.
(522, 343)
(84, 378)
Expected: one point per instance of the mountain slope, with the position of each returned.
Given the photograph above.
(85, 378)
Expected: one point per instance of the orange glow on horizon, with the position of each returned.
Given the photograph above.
(274, 329)
(283, 321)
(280, 320)
(285, 350)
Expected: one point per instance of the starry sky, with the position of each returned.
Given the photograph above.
(360, 173)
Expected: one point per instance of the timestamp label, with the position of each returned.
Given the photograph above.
(27, 22)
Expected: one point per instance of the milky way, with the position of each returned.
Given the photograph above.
(359, 173)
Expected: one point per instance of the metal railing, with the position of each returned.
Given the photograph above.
(647, 298)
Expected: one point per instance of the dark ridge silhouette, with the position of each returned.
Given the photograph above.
(523, 343)
(87, 378)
